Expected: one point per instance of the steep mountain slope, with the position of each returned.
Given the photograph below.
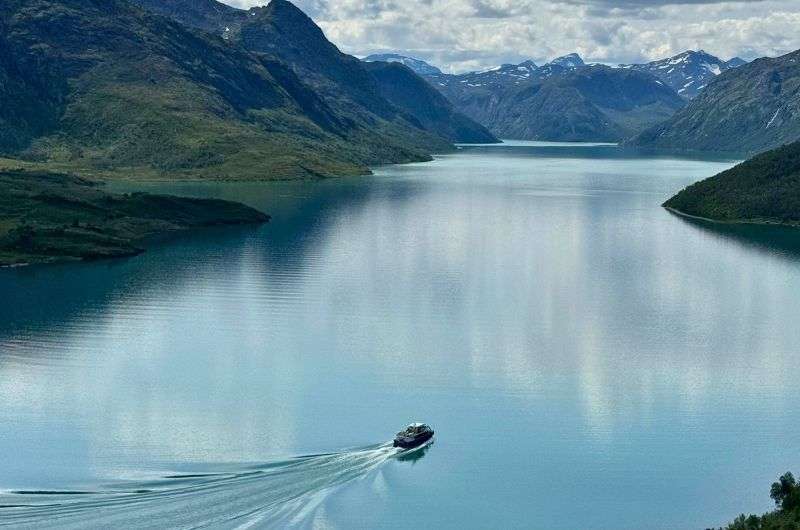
(687, 73)
(419, 67)
(208, 15)
(32, 96)
(286, 33)
(764, 189)
(410, 92)
(750, 109)
(100, 86)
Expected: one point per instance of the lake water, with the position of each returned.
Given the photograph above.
(588, 360)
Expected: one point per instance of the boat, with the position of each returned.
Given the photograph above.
(414, 435)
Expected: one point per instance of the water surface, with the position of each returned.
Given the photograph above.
(588, 359)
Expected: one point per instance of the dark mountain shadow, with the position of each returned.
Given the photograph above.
(602, 151)
(783, 241)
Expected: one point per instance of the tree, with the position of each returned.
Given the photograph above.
(786, 492)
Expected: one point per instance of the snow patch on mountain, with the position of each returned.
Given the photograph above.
(688, 72)
(417, 65)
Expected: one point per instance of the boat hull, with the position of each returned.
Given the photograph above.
(416, 441)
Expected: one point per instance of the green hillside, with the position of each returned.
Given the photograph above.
(47, 217)
(104, 88)
(786, 494)
(764, 189)
(282, 31)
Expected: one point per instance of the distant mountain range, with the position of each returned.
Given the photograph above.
(750, 109)
(563, 100)
(693, 100)
(689, 72)
(595, 103)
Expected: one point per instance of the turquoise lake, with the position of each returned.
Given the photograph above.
(588, 360)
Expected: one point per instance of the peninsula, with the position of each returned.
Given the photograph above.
(764, 190)
(49, 217)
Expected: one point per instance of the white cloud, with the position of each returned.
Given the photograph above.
(470, 34)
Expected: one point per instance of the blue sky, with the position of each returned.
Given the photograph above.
(460, 35)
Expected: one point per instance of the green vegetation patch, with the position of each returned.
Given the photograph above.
(786, 494)
(46, 217)
(764, 189)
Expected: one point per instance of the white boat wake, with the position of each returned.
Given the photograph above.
(274, 494)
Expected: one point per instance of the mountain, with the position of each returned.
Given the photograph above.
(284, 32)
(457, 87)
(208, 15)
(418, 66)
(687, 73)
(504, 76)
(408, 91)
(764, 189)
(595, 103)
(751, 108)
(553, 102)
(736, 62)
(570, 61)
(478, 94)
(104, 87)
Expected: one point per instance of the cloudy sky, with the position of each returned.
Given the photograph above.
(460, 35)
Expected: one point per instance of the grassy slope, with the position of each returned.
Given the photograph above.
(282, 30)
(377, 129)
(765, 189)
(47, 217)
(103, 88)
